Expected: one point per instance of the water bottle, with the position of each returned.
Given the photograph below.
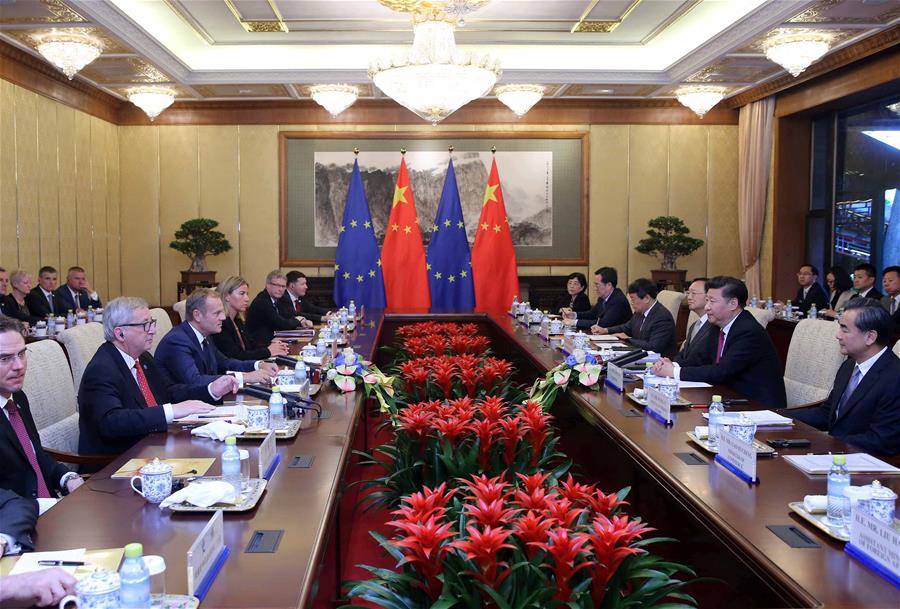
(301, 379)
(754, 302)
(344, 316)
(716, 412)
(769, 304)
(90, 314)
(320, 347)
(813, 312)
(231, 465)
(276, 409)
(515, 305)
(70, 319)
(788, 310)
(51, 325)
(134, 589)
(838, 503)
(649, 377)
(351, 309)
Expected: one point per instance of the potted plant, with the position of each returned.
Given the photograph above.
(198, 239)
(667, 239)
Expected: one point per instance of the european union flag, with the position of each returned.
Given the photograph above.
(449, 262)
(357, 268)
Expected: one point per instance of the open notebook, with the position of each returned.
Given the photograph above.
(857, 463)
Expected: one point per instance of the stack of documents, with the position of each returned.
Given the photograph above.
(857, 463)
(762, 418)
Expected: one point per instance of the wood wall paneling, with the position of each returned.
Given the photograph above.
(723, 252)
(648, 169)
(791, 201)
(27, 177)
(179, 199)
(219, 175)
(139, 221)
(114, 237)
(609, 233)
(688, 189)
(258, 211)
(68, 171)
(48, 185)
(84, 208)
(9, 243)
(99, 279)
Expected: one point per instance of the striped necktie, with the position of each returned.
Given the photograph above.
(149, 398)
(18, 425)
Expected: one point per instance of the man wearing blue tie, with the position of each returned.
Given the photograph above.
(76, 294)
(189, 357)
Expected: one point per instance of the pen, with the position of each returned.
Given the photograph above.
(214, 416)
(61, 563)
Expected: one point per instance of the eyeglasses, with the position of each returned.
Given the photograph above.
(8, 358)
(146, 325)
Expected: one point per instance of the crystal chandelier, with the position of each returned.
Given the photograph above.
(434, 80)
(520, 98)
(700, 98)
(70, 51)
(334, 98)
(795, 52)
(152, 100)
(461, 8)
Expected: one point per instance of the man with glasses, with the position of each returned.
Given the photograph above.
(695, 347)
(810, 291)
(269, 314)
(27, 470)
(611, 309)
(124, 394)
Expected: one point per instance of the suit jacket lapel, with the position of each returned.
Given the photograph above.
(129, 381)
(11, 435)
(867, 382)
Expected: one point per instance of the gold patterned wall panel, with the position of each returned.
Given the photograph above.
(608, 238)
(27, 177)
(99, 279)
(68, 213)
(139, 192)
(219, 175)
(48, 186)
(9, 247)
(258, 244)
(179, 200)
(84, 208)
(688, 160)
(114, 237)
(648, 191)
(723, 248)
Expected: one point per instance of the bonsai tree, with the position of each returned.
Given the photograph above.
(198, 239)
(667, 239)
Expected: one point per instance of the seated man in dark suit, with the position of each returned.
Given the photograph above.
(612, 307)
(890, 281)
(651, 327)
(295, 303)
(124, 395)
(696, 342)
(27, 470)
(18, 516)
(810, 291)
(77, 293)
(268, 313)
(864, 282)
(41, 300)
(863, 407)
(740, 355)
(188, 354)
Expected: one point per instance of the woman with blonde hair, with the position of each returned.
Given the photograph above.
(13, 305)
(233, 340)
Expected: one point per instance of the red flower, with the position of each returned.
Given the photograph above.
(564, 550)
(485, 431)
(493, 408)
(416, 421)
(443, 376)
(534, 481)
(419, 507)
(609, 542)
(532, 528)
(602, 504)
(487, 489)
(561, 510)
(510, 433)
(483, 547)
(452, 429)
(416, 378)
(478, 344)
(490, 513)
(537, 426)
(578, 494)
(534, 500)
(424, 547)
(470, 378)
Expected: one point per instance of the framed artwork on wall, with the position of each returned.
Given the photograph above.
(544, 176)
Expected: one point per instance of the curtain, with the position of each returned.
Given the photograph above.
(754, 155)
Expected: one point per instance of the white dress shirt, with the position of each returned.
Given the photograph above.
(676, 368)
(236, 374)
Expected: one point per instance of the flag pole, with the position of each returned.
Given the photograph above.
(356, 151)
(403, 152)
(493, 150)
(450, 149)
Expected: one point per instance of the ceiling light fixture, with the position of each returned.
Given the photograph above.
(334, 98)
(519, 98)
(433, 79)
(700, 98)
(152, 100)
(461, 8)
(69, 51)
(796, 52)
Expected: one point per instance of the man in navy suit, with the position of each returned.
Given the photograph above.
(76, 293)
(696, 341)
(651, 327)
(890, 281)
(611, 308)
(269, 314)
(810, 291)
(863, 408)
(740, 355)
(124, 395)
(189, 357)
(864, 282)
(18, 517)
(41, 300)
(27, 470)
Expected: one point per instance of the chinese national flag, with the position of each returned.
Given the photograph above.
(493, 256)
(403, 255)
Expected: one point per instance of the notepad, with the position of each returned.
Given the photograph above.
(604, 338)
(220, 413)
(28, 562)
(180, 467)
(857, 463)
(762, 418)
(692, 385)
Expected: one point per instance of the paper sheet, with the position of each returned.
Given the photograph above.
(604, 338)
(45, 503)
(763, 418)
(221, 413)
(180, 467)
(29, 562)
(692, 384)
(857, 463)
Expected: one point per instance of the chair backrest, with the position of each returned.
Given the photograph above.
(81, 342)
(180, 308)
(763, 316)
(163, 326)
(51, 395)
(671, 300)
(813, 359)
(897, 348)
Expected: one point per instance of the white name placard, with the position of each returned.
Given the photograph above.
(738, 453)
(615, 376)
(266, 453)
(204, 552)
(876, 541)
(658, 403)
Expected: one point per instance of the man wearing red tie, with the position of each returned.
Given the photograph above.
(295, 299)
(27, 470)
(124, 394)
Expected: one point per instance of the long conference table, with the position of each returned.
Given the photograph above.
(720, 520)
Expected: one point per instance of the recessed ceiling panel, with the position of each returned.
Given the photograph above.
(838, 36)
(239, 91)
(123, 70)
(365, 89)
(248, 9)
(605, 90)
(111, 44)
(850, 11)
(737, 70)
(38, 11)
